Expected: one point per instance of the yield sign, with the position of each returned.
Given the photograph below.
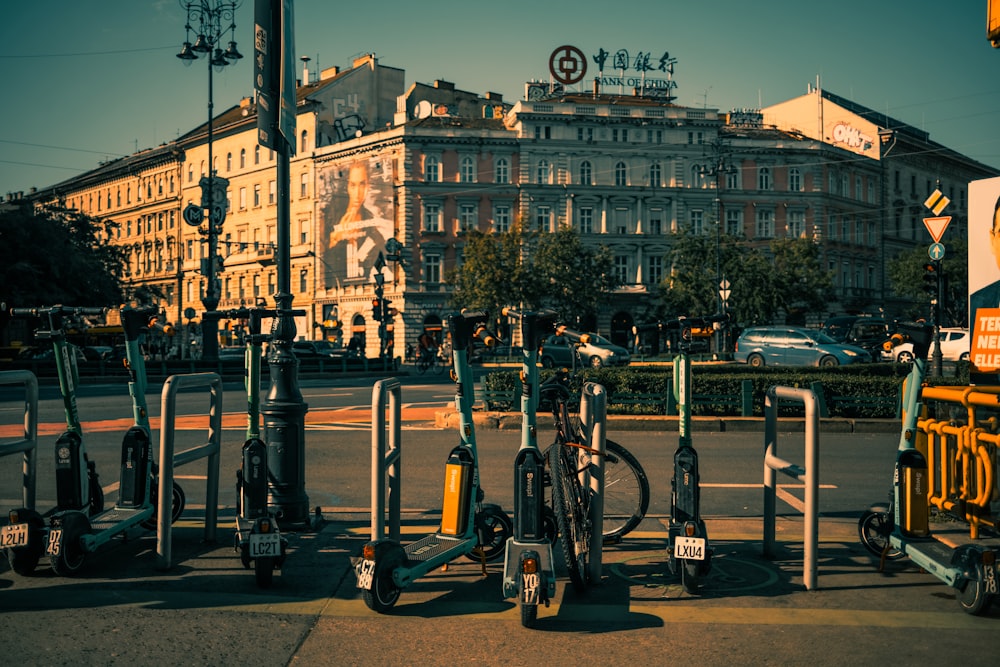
(936, 226)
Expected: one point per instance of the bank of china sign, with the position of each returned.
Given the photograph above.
(639, 69)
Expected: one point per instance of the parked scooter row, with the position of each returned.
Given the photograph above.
(76, 529)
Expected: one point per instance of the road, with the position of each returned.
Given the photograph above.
(206, 610)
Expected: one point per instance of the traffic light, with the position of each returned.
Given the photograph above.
(377, 309)
(387, 313)
(932, 278)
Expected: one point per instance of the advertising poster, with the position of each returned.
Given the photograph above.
(984, 274)
(357, 217)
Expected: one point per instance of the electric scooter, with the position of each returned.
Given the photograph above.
(258, 538)
(528, 571)
(970, 569)
(468, 526)
(690, 555)
(72, 533)
(77, 485)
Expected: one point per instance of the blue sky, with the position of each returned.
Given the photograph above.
(86, 80)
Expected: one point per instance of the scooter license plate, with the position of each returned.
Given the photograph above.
(529, 585)
(14, 535)
(689, 548)
(366, 574)
(262, 546)
(54, 542)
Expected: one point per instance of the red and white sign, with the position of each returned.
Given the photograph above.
(936, 226)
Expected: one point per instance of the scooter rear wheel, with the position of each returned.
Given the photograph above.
(529, 614)
(263, 571)
(973, 597)
(71, 556)
(384, 592)
(690, 576)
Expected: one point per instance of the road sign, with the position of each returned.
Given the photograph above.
(724, 294)
(724, 284)
(936, 226)
(936, 251)
(937, 202)
(193, 215)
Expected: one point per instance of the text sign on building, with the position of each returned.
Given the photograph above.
(985, 349)
(568, 65)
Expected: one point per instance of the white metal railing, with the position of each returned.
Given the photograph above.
(386, 470)
(28, 445)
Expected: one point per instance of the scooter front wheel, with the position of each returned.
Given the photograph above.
(68, 560)
(493, 527)
(973, 597)
(177, 503)
(874, 528)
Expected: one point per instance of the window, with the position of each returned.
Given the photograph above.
(586, 176)
(585, 133)
(467, 217)
(304, 141)
(765, 223)
(654, 270)
(621, 220)
(871, 191)
(734, 222)
(655, 224)
(543, 171)
(432, 268)
(621, 269)
(543, 132)
(256, 154)
(621, 175)
(543, 219)
(433, 220)
(229, 161)
(857, 188)
(467, 172)
(501, 218)
(697, 222)
(303, 282)
(190, 175)
(256, 285)
(243, 199)
(733, 179)
(796, 224)
(763, 178)
(243, 158)
(304, 185)
(585, 219)
(501, 171)
(794, 179)
(256, 195)
(432, 168)
(272, 191)
(655, 175)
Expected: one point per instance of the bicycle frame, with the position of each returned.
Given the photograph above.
(971, 569)
(528, 571)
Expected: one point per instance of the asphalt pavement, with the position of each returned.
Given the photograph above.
(207, 610)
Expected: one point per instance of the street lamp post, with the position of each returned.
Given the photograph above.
(718, 169)
(212, 22)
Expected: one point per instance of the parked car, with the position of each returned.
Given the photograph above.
(794, 346)
(318, 349)
(955, 343)
(596, 352)
(861, 331)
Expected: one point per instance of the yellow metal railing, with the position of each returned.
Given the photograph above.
(962, 454)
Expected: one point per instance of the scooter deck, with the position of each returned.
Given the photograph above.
(117, 516)
(436, 546)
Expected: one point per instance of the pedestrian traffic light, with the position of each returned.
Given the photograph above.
(932, 278)
(377, 309)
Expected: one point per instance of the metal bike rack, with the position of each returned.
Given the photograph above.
(808, 475)
(386, 470)
(29, 444)
(593, 416)
(169, 460)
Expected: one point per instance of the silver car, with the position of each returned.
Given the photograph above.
(596, 352)
(794, 346)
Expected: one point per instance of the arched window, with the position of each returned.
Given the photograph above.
(243, 158)
(467, 170)
(586, 178)
(764, 178)
(621, 175)
(229, 161)
(431, 169)
(304, 142)
(655, 175)
(256, 154)
(501, 171)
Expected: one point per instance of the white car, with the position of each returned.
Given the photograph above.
(954, 347)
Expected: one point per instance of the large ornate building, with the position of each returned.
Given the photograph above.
(407, 173)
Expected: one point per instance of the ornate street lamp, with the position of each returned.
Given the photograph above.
(212, 22)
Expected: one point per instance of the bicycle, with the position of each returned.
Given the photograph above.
(626, 486)
(433, 361)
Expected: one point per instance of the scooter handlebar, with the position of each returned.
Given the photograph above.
(56, 310)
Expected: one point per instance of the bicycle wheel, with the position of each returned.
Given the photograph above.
(568, 505)
(422, 365)
(626, 492)
(874, 528)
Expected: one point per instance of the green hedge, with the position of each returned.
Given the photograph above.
(868, 381)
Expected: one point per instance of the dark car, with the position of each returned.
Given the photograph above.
(862, 331)
(318, 349)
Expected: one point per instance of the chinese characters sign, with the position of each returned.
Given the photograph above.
(640, 69)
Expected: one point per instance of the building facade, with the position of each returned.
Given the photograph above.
(383, 174)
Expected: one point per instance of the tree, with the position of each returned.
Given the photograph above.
(906, 272)
(532, 270)
(799, 279)
(55, 255)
